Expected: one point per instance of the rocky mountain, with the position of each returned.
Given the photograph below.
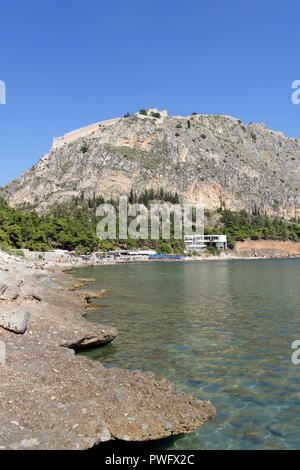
(215, 160)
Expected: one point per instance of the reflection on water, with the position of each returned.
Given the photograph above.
(220, 330)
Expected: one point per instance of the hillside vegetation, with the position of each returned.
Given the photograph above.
(72, 226)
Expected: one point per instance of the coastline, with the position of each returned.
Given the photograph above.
(232, 257)
(67, 268)
(54, 399)
(247, 249)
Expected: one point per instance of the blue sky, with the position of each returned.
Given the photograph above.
(69, 63)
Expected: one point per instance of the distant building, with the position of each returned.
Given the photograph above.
(200, 242)
(142, 252)
(127, 253)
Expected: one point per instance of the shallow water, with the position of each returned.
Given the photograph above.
(221, 330)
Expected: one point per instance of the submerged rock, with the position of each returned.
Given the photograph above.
(95, 295)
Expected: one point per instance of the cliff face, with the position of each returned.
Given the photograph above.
(215, 160)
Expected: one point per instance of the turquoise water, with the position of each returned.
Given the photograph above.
(221, 330)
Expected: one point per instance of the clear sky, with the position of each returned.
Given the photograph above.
(69, 63)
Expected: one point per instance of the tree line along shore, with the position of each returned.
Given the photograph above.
(72, 226)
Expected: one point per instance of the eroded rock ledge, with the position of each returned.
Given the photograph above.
(52, 399)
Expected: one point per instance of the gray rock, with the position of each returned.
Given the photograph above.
(11, 291)
(14, 320)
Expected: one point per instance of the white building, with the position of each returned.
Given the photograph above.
(200, 242)
(126, 253)
(142, 252)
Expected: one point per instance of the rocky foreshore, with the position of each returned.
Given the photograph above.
(54, 399)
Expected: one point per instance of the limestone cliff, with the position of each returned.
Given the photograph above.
(215, 160)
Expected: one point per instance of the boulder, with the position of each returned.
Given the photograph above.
(11, 290)
(14, 320)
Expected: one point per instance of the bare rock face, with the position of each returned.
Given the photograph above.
(52, 399)
(213, 160)
(14, 320)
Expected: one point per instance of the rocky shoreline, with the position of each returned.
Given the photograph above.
(54, 399)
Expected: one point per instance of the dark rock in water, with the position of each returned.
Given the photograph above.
(254, 438)
(105, 336)
(275, 430)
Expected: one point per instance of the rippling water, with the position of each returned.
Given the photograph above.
(221, 330)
